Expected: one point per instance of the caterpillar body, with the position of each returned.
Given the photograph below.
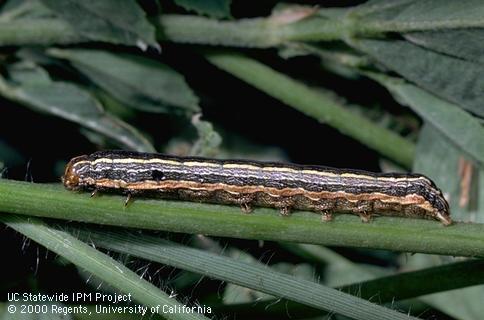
(251, 183)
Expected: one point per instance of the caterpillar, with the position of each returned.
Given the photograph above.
(251, 183)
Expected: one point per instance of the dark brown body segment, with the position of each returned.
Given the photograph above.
(325, 206)
(248, 184)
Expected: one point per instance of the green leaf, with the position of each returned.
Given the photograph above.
(339, 271)
(252, 275)
(32, 87)
(208, 140)
(29, 22)
(463, 303)
(120, 22)
(415, 15)
(467, 44)
(449, 274)
(22, 9)
(453, 79)
(212, 8)
(234, 293)
(458, 126)
(138, 82)
(439, 159)
(28, 73)
(99, 264)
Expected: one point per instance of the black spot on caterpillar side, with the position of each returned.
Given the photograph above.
(157, 175)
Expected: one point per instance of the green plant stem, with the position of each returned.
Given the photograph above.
(390, 233)
(37, 32)
(386, 289)
(252, 275)
(327, 25)
(316, 104)
(399, 286)
(255, 32)
(421, 282)
(382, 27)
(193, 29)
(97, 263)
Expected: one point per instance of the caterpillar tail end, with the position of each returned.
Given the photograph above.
(444, 218)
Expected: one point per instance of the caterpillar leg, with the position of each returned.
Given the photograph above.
(245, 201)
(246, 207)
(129, 198)
(94, 192)
(365, 216)
(285, 211)
(326, 216)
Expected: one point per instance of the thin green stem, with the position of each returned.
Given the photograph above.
(383, 290)
(256, 276)
(382, 27)
(327, 25)
(97, 263)
(390, 233)
(37, 32)
(255, 32)
(316, 104)
(399, 286)
(420, 282)
(391, 289)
